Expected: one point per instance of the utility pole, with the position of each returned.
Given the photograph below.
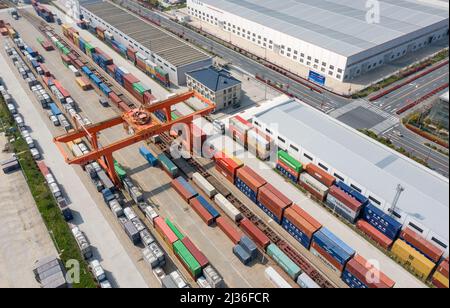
(400, 189)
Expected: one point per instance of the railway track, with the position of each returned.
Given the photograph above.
(306, 266)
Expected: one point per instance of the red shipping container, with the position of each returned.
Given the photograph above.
(114, 98)
(64, 58)
(225, 173)
(61, 88)
(365, 271)
(345, 198)
(443, 268)
(45, 70)
(255, 234)
(141, 64)
(130, 79)
(306, 216)
(233, 234)
(78, 64)
(183, 192)
(251, 178)
(149, 98)
(421, 244)
(229, 165)
(72, 57)
(198, 255)
(300, 222)
(131, 53)
(374, 234)
(312, 191)
(202, 212)
(111, 69)
(339, 267)
(437, 284)
(124, 107)
(165, 231)
(288, 169)
(43, 168)
(272, 202)
(278, 194)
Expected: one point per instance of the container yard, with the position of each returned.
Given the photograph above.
(300, 220)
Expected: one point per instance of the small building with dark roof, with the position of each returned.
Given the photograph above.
(216, 85)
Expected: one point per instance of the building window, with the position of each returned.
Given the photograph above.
(439, 242)
(396, 214)
(281, 139)
(339, 177)
(356, 187)
(308, 157)
(294, 148)
(374, 200)
(415, 227)
(323, 167)
(268, 131)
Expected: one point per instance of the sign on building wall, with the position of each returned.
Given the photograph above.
(316, 78)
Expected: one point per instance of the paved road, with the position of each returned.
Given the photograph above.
(413, 91)
(108, 249)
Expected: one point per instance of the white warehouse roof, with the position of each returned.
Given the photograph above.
(368, 163)
(339, 25)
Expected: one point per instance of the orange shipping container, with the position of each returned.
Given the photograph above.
(441, 279)
(427, 248)
(320, 175)
(301, 223)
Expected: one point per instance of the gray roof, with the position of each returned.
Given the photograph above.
(368, 163)
(175, 51)
(444, 97)
(337, 25)
(213, 79)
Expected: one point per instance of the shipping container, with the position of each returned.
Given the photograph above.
(301, 227)
(343, 204)
(292, 269)
(255, 234)
(211, 210)
(361, 274)
(132, 232)
(115, 99)
(166, 233)
(174, 229)
(273, 202)
(230, 231)
(412, 259)
(249, 182)
(353, 192)
(152, 160)
(186, 191)
(229, 165)
(168, 165)
(313, 186)
(187, 259)
(383, 222)
(259, 144)
(374, 234)
(204, 185)
(305, 282)
(421, 244)
(440, 277)
(196, 253)
(238, 128)
(213, 277)
(229, 209)
(242, 255)
(288, 172)
(202, 212)
(276, 278)
(320, 174)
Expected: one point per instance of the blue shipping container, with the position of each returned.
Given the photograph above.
(287, 174)
(152, 160)
(301, 237)
(214, 213)
(337, 240)
(87, 71)
(104, 88)
(95, 79)
(352, 192)
(352, 281)
(332, 248)
(107, 195)
(252, 195)
(268, 212)
(242, 255)
(382, 221)
(187, 186)
(55, 110)
(249, 246)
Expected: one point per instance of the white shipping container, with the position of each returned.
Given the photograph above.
(179, 281)
(343, 207)
(76, 150)
(129, 213)
(313, 183)
(306, 282)
(228, 208)
(276, 278)
(204, 185)
(151, 214)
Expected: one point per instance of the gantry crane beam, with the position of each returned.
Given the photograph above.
(131, 121)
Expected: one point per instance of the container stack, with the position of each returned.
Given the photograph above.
(360, 274)
(440, 277)
(238, 129)
(300, 225)
(289, 166)
(412, 259)
(249, 182)
(254, 233)
(383, 222)
(273, 202)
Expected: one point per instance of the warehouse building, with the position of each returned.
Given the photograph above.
(369, 167)
(172, 54)
(338, 40)
(440, 111)
(216, 85)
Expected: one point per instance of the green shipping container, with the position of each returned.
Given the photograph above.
(282, 260)
(121, 173)
(290, 161)
(89, 49)
(39, 40)
(168, 165)
(174, 229)
(59, 45)
(174, 116)
(187, 258)
(66, 51)
(138, 88)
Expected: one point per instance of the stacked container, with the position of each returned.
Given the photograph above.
(239, 128)
(273, 202)
(186, 191)
(289, 166)
(422, 245)
(259, 143)
(207, 206)
(320, 175)
(167, 165)
(414, 260)
(249, 182)
(292, 269)
(166, 233)
(232, 233)
(201, 211)
(374, 234)
(440, 277)
(360, 274)
(152, 160)
(383, 222)
(343, 204)
(300, 225)
(313, 186)
(204, 185)
(229, 209)
(256, 234)
(187, 259)
(196, 253)
(331, 250)
(227, 167)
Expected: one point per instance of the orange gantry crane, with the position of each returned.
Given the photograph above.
(141, 122)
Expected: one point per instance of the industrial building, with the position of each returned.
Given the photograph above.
(440, 111)
(172, 54)
(333, 39)
(364, 164)
(216, 85)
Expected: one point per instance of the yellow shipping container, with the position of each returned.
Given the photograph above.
(150, 70)
(412, 259)
(441, 278)
(65, 27)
